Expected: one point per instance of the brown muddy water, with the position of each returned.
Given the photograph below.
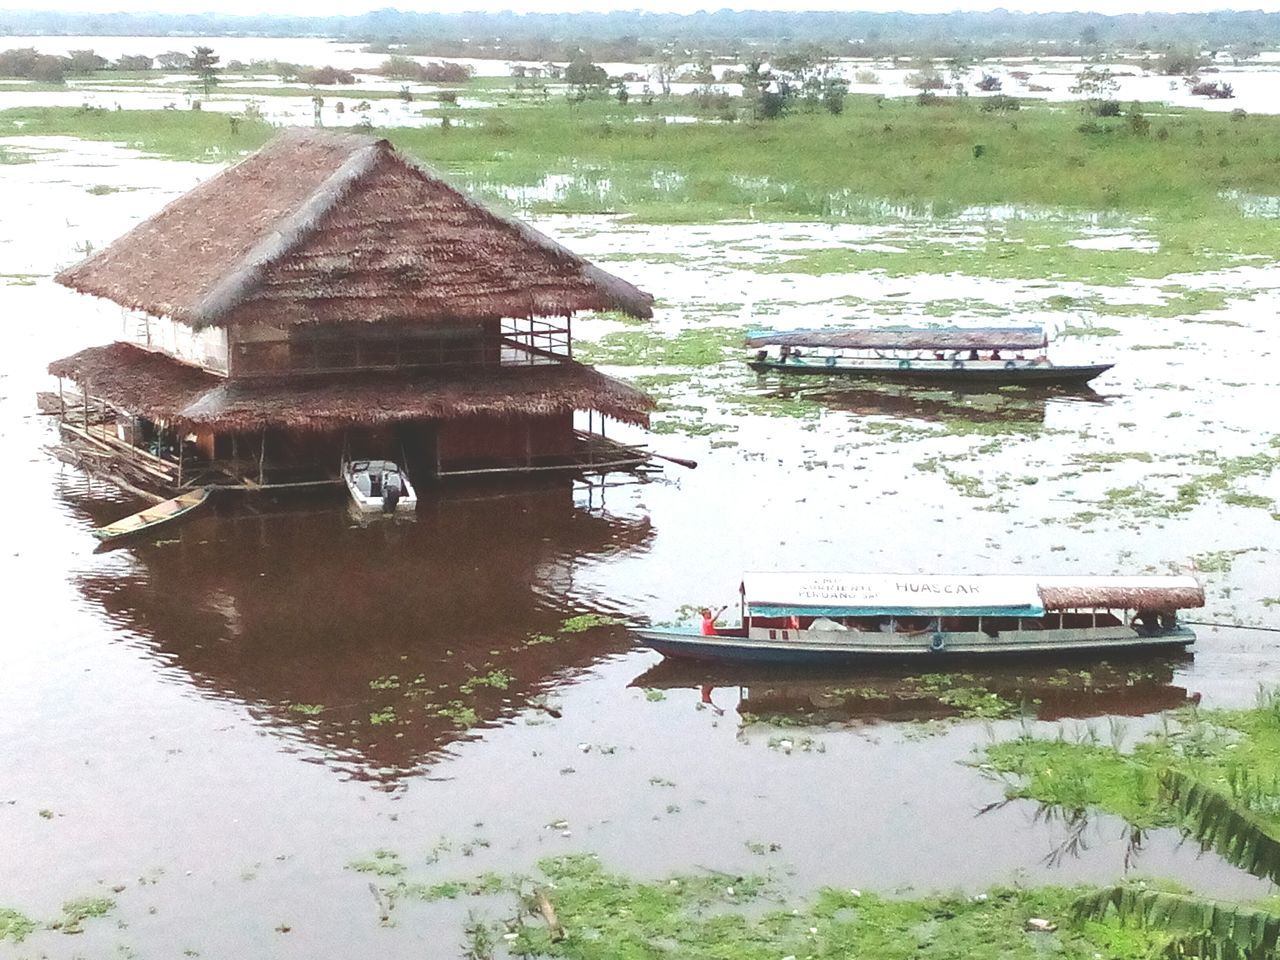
(212, 727)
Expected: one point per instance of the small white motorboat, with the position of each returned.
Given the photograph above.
(379, 486)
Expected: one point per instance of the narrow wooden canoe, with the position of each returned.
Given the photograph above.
(154, 515)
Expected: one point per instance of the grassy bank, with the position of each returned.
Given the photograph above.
(173, 134)
(879, 157)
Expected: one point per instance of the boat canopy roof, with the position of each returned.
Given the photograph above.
(914, 594)
(906, 338)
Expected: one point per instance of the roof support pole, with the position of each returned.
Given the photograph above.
(62, 402)
(262, 456)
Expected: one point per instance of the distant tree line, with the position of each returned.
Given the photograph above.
(634, 35)
(26, 63)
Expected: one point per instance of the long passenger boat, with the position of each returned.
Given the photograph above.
(951, 355)
(832, 618)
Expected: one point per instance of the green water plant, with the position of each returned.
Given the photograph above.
(14, 925)
(1194, 926)
(574, 908)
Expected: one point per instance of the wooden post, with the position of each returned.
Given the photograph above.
(235, 454)
(85, 387)
(62, 402)
(262, 457)
(179, 458)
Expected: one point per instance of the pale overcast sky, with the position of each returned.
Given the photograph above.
(328, 7)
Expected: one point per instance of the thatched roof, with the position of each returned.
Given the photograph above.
(162, 388)
(145, 382)
(1121, 593)
(920, 338)
(778, 593)
(322, 227)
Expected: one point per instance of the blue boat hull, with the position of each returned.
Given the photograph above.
(726, 649)
(1040, 374)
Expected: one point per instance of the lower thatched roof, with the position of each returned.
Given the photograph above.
(145, 382)
(159, 387)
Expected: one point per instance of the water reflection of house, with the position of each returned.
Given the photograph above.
(269, 611)
(325, 295)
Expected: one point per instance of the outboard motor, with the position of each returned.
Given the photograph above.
(390, 497)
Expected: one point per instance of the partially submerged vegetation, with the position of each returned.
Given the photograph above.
(575, 908)
(1213, 774)
(17, 926)
(1234, 751)
(878, 157)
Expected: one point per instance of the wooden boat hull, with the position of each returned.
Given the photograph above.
(153, 516)
(942, 372)
(930, 647)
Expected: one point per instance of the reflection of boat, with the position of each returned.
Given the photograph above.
(1045, 693)
(933, 406)
(379, 486)
(163, 512)
(921, 355)
(834, 617)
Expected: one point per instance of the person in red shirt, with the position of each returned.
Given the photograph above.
(709, 620)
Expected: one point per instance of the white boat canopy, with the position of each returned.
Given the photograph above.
(777, 594)
(906, 338)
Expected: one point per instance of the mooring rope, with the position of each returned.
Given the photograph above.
(1233, 626)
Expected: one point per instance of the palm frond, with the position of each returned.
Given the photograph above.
(1202, 928)
(1221, 824)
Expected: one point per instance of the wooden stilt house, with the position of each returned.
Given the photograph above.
(327, 296)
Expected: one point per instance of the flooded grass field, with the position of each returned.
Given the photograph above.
(274, 731)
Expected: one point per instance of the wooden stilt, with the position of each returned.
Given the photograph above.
(262, 458)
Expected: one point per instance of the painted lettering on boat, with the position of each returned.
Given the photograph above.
(933, 587)
(831, 588)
